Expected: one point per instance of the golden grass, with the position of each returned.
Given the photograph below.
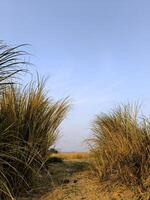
(29, 125)
(71, 155)
(122, 150)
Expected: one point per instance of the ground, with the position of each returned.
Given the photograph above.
(73, 180)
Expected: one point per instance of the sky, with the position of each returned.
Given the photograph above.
(95, 51)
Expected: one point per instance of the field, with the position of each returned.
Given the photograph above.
(72, 155)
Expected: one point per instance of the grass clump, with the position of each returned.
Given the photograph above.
(29, 123)
(121, 148)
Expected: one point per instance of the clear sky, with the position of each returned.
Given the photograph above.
(95, 51)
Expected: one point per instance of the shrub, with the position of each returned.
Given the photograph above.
(54, 159)
(52, 150)
(122, 146)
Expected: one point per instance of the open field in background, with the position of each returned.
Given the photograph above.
(71, 155)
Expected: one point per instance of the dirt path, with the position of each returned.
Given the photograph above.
(73, 182)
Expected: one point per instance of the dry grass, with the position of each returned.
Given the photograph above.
(29, 123)
(121, 150)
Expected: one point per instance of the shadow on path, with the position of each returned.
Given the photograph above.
(57, 175)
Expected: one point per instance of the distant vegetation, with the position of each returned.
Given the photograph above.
(72, 155)
(122, 149)
(29, 123)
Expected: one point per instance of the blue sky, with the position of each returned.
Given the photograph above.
(95, 51)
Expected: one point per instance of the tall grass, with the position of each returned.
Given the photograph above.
(29, 123)
(10, 66)
(11, 63)
(122, 147)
